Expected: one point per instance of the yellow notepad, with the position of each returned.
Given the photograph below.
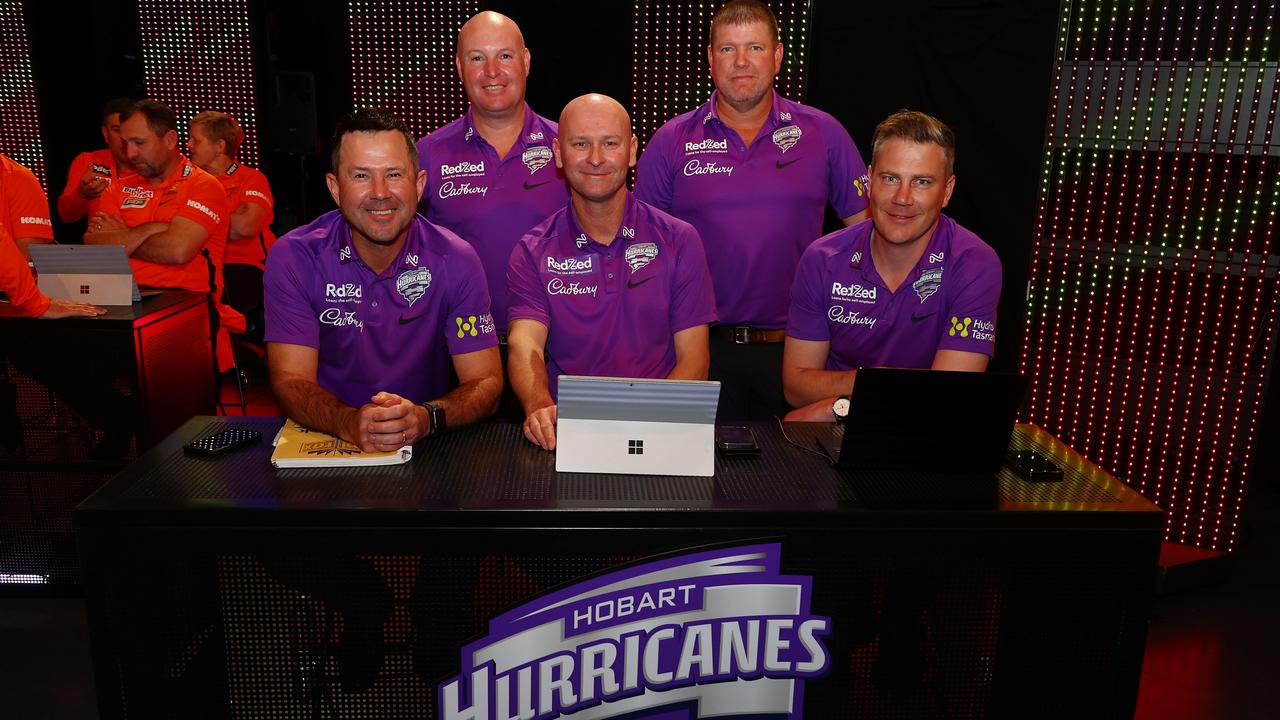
(299, 447)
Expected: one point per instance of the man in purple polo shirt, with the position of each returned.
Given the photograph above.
(753, 172)
(910, 288)
(367, 304)
(608, 285)
(490, 175)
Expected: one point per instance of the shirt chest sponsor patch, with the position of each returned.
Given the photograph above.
(413, 284)
(134, 202)
(854, 293)
(786, 137)
(928, 283)
(571, 265)
(536, 158)
(640, 255)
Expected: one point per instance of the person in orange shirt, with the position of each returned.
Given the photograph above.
(213, 144)
(24, 209)
(16, 282)
(168, 214)
(92, 171)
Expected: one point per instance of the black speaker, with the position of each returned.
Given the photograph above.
(293, 118)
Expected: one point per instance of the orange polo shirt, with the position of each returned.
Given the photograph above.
(24, 209)
(248, 185)
(103, 164)
(16, 279)
(188, 192)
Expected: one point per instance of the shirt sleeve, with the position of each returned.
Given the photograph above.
(654, 179)
(846, 172)
(287, 289)
(807, 318)
(693, 302)
(205, 204)
(16, 279)
(28, 206)
(469, 325)
(526, 299)
(79, 166)
(971, 326)
(257, 190)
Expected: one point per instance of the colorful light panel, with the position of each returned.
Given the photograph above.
(197, 56)
(402, 59)
(19, 123)
(669, 62)
(1152, 300)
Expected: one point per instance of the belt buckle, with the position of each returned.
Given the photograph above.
(741, 335)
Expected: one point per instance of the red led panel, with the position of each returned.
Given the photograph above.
(19, 124)
(1152, 300)
(669, 63)
(402, 59)
(197, 56)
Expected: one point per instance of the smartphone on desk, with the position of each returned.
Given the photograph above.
(736, 440)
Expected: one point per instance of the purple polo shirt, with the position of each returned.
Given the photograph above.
(756, 208)
(611, 310)
(488, 202)
(392, 331)
(947, 302)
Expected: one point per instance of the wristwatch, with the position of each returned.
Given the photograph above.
(840, 408)
(435, 416)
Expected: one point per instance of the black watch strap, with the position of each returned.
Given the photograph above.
(435, 415)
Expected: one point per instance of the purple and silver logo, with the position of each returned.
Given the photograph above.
(705, 634)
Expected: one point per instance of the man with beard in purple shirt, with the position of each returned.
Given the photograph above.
(367, 305)
(490, 175)
(910, 288)
(608, 285)
(753, 172)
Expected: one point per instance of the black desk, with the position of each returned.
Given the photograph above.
(140, 371)
(221, 588)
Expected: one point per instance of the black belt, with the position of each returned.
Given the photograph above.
(744, 335)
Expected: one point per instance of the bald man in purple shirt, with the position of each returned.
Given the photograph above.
(753, 172)
(909, 288)
(368, 305)
(608, 285)
(490, 175)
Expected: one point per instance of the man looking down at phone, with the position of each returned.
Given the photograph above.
(608, 285)
(368, 305)
(908, 288)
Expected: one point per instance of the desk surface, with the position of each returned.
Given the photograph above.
(165, 303)
(479, 476)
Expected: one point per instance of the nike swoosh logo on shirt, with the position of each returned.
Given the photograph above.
(638, 284)
(404, 320)
(918, 318)
(781, 164)
(527, 186)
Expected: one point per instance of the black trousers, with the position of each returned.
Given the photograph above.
(750, 380)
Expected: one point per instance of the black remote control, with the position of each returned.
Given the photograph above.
(222, 441)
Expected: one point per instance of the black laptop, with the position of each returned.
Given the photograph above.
(927, 430)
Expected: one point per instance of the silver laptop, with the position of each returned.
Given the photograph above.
(97, 274)
(636, 426)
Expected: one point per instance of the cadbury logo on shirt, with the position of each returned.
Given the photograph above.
(706, 146)
(571, 266)
(695, 167)
(462, 168)
(856, 293)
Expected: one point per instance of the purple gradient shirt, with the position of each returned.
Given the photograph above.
(611, 310)
(488, 202)
(947, 302)
(392, 331)
(756, 208)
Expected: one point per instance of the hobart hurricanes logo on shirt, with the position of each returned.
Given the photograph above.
(413, 284)
(721, 634)
(536, 158)
(640, 255)
(697, 167)
(706, 146)
(928, 283)
(571, 266)
(786, 137)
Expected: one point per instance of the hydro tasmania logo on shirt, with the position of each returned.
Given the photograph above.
(721, 632)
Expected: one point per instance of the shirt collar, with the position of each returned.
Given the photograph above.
(410, 255)
(772, 122)
(530, 127)
(575, 235)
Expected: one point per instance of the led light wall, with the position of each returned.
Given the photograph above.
(402, 59)
(1152, 300)
(196, 56)
(670, 73)
(19, 124)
